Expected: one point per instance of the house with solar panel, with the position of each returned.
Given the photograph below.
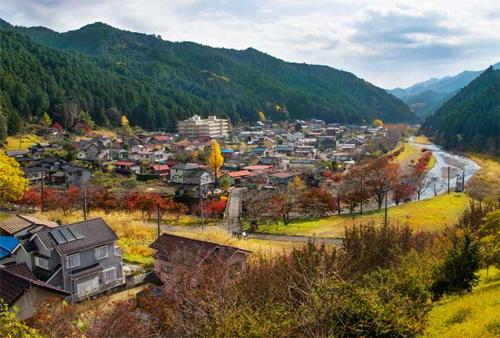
(81, 258)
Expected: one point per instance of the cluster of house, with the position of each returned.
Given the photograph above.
(54, 170)
(256, 155)
(39, 259)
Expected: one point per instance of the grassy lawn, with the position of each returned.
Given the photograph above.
(472, 315)
(411, 155)
(98, 132)
(21, 142)
(421, 139)
(431, 163)
(490, 168)
(430, 214)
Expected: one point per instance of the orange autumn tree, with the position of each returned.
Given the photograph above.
(215, 159)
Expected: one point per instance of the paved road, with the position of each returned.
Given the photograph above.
(232, 221)
(296, 239)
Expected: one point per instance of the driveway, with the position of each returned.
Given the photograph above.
(232, 220)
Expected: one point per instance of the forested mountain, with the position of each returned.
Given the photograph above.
(424, 98)
(104, 72)
(470, 120)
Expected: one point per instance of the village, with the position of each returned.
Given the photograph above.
(82, 259)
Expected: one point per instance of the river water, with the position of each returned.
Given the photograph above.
(458, 166)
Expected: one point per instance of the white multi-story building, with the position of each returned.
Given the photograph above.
(196, 127)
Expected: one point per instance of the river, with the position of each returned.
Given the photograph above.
(458, 165)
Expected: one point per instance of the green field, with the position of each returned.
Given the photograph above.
(411, 155)
(430, 214)
(20, 142)
(473, 315)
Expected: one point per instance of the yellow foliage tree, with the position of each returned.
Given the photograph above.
(12, 181)
(46, 120)
(215, 159)
(124, 121)
(378, 123)
(297, 184)
(277, 108)
(262, 116)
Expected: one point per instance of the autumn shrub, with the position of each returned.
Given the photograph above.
(92, 318)
(307, 292)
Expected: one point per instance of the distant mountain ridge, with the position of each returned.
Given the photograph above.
(105, 72)
(470, 120)
(426, 97)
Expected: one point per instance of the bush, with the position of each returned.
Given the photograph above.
(456, 275)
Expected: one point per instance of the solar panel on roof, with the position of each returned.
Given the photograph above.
(76, 233)
(57, 236)
(68, 235)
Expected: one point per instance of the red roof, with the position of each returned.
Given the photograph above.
(238, 174)
(125, 163)
(160, 167)
(284, 174)
(257, 167)
(183, 143)
(161, 138)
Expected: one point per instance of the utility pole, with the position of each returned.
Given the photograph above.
(385, 206)
(201, 206)
(43, 192)
(85, 211)
(361, 204)
(158, 219)
(463, 179)
(449, 179)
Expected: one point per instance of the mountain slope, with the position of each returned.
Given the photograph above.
(470, 120)
(160, 81)
(426, 97)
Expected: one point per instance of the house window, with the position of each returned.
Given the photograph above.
(109, 275)
(101, 252)
(167, 268)
(42, 262)
(73, 261)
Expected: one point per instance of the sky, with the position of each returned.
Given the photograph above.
(388, 43)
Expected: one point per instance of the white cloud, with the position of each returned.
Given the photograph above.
(386, 42)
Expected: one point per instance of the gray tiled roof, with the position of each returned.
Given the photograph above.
(16, 280)
(95, 232)
(19, 222)
(188, 251)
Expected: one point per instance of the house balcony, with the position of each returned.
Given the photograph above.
(97, 290)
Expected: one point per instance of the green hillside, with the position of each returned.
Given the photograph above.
(106, 72)
(470, 120)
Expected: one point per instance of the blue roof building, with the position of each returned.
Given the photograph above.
(8, 244)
